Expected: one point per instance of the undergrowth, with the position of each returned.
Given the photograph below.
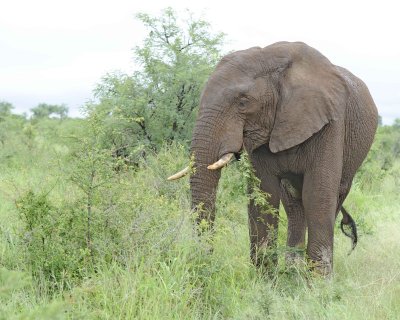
(111, 241)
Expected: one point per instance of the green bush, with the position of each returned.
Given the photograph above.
(53, 253)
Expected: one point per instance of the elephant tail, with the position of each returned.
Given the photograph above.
(348, 221)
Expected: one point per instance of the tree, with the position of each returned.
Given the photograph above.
(158, 103)
(5, 110)
(44, 110)
(10, 124)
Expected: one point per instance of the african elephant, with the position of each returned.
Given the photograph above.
(307, 126)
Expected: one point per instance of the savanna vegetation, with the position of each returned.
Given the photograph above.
(91, 229)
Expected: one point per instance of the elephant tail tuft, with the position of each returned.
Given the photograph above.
(348, 221)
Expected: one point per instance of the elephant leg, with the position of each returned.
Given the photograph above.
(263, 225)
(320, 200)
(297, 225)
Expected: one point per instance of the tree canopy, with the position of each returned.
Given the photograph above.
(44, 110)
(158, 103)
(5, 108)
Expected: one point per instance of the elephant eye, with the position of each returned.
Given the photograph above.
(242, 102)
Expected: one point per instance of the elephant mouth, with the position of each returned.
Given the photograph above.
(238, 155)
(225, 158)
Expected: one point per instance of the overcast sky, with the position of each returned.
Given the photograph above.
(56, 51)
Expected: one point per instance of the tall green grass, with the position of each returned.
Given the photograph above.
(149, 263)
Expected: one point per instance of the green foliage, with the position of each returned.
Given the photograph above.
(97, 174)
(9, 125)
(11, 281)
(147, 261)
(64, 241)
(86, 235)
(255, 193)
(44, 110)
(14, 286)
(382, 158)
(158, 103)
(49, 255)
(5, 109)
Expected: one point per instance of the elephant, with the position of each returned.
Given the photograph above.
(306, 125)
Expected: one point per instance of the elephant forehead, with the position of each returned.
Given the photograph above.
(252, 88)
(237, 90)
(242, 63)
(220, 85)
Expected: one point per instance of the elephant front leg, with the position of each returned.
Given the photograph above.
(263, 227)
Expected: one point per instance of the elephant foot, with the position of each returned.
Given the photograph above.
(320, 268)
(295, 257)
(320, 261)
(266, 260)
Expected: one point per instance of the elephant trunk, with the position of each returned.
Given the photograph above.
(204, 182)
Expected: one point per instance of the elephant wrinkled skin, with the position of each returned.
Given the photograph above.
(306, 124)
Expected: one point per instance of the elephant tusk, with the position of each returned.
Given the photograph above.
(179, 174)
(221, 162)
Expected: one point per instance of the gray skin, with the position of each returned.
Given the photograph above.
(307, 126)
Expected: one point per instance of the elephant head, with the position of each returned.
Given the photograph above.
(277, 96)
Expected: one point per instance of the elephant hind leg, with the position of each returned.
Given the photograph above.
(297, 226)
(320, 198)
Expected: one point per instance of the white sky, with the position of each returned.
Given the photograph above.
(56, 51)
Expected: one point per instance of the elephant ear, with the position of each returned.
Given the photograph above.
(312, 94)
